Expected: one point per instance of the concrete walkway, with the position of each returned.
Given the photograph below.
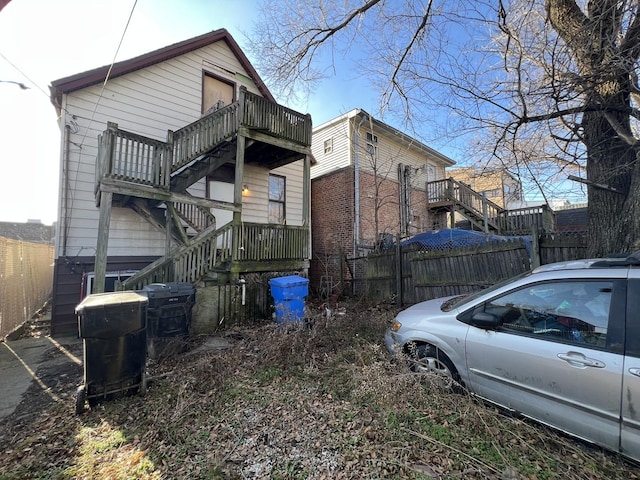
(19, 363)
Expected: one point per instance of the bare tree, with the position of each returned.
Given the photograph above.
(547, 87)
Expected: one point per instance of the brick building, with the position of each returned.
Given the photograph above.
(367, 186)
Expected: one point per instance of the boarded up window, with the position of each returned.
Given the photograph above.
(215, 94)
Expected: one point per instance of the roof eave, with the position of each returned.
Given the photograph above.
(98, 75)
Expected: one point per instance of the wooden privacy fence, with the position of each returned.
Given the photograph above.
(26, 281)
(410, 276)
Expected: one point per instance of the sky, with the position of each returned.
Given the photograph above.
(44, 40)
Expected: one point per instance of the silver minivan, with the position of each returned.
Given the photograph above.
(559, 344)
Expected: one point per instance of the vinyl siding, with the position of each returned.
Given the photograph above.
(165, 96)
(391, 153)
(340, 156)
(255, 203)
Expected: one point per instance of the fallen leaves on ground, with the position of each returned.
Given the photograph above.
(323, 401)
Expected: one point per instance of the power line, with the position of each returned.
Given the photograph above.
(106, 78)
(23, 74)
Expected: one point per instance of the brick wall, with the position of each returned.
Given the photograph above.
(387, 194)
(332, 214)
(332, 222)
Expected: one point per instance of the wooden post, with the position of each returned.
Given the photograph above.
(241, 104)
(167, 228)
(306, 191)
(535, 247)
(306, 201)
(399, 292)
(237, 190)
(485, 215)
(100, 267)
(167, 164)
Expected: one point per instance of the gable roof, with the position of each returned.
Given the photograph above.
(391, 132)
(97, 75)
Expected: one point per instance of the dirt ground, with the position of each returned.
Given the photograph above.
(58, 375)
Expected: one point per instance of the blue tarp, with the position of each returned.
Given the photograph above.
(456, 238)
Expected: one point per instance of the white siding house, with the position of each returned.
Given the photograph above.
(374, 178)
(152, 96)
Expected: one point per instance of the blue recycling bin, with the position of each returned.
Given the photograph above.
(289, 294)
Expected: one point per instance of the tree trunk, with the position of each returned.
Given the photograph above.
(605, 65)
(611, 166)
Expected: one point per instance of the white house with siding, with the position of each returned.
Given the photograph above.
(176, 164)
(375, 178)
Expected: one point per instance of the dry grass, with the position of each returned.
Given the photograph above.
(324, 401)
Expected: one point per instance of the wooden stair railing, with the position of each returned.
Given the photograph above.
(197, 217)
(188, 264)
(257, 243)
(201, 136)
(499, 220)
(467, 201)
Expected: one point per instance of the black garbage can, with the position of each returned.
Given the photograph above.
(113, 331)
(168, 317)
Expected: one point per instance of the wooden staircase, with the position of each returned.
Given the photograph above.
(450, 195)
(152, 176)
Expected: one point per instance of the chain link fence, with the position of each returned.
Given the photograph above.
(26, 281)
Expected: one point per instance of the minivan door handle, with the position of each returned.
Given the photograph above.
(577, 359)
(635, 371)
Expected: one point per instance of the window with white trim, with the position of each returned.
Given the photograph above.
(277, 189)
(372, 144)
(328, 146)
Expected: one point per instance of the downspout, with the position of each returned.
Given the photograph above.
(356, 186)
(64, 199)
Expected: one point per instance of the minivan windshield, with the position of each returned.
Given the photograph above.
(460, 302)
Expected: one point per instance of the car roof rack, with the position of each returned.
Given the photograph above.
(618, 260)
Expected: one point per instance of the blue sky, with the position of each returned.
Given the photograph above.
(44, 40)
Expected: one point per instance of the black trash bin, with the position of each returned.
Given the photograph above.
(113, 329)
(168, 317)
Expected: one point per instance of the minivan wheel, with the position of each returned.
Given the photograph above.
(427, 359)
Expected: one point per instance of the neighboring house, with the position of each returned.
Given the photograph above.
(179, 167)
(368, 185)
(497, 185)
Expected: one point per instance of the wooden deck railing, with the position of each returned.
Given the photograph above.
(282, 122)
(450, 190)
(472, 203)
(524, 220)
(257, 242)
(272, 242)
(135, 158)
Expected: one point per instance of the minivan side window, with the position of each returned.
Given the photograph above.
(576, 311)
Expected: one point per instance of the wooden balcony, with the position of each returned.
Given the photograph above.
(125, 157)
(453, 196)
(143, 174)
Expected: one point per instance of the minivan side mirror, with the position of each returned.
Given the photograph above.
(485, 320)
